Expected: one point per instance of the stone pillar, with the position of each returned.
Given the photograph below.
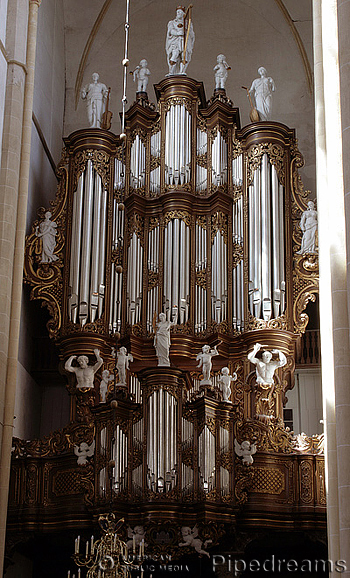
(14, 176)
(334, 320)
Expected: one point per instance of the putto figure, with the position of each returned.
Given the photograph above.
(140, 75)
(123, 358)
(225, 383)
(265, 369)
(106, 378)
(84, 373)
(95, 95)
(162, 339)
(191, 539)
(179, 42)
(308, 225)
(220, 70)
(261, 90)
(47, 231)
(205, 363)
(245, 450)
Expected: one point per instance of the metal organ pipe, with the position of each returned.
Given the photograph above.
(86, 245)
(75, 248)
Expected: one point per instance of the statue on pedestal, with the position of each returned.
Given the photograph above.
(162, 339)
(106, 378)
(261, 90)
(265, 369)
(123, 358)
(308, 225)
(47, 231)
(225, 383)
(141, 74)
(84, 373)
(179, 41)
(95, 95)
(220, 70)
(205, 363)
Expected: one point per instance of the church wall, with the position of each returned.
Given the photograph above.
(3, 65)
(48, 110)
(305, 399)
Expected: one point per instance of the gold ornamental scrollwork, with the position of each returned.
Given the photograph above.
(100, 162)
(155, 163)
(178, 101)
(56, 443)
(153, 279)
(202, 160)
(46, 278)
(277, 323)
(201, 278)
(272, 437)
(237, 254)
(136, 225)
(219, 222)
(201, 222)
(183, 215)
(237, 149)
(276, 155)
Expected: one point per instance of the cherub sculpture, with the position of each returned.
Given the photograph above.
(136, 538)
(224, 383)
(106, 378)
(220, 70)
(83, 452)
(205, 363)
(190, 538)
(245, 450)
(140, 75)
(123, 358)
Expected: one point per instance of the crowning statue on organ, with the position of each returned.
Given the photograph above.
(176, 245)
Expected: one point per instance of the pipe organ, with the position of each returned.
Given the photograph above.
(195, 217)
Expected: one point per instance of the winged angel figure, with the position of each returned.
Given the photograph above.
(246, 451)
(190, 538)
(83, 452)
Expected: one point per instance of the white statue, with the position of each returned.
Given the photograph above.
(190, 538)
(225, 383)
(261, 90)
(175, 43)
(265, 369)
(136, 538)
(205, 363)
(246, 451)
(123, 358)
(85, 372)
(220, 70)
(141, 74)
(95, 95)
(162, 339)
(47, 231)
(83, 452)
(308, 225)
(106, 378)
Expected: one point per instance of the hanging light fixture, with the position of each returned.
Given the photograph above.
(107, 557)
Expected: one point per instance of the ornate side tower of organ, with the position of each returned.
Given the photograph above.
(198, 218)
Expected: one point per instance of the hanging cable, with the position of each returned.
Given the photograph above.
(125, 63)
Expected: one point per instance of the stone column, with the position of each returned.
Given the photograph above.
(22, 24)
(334, 320)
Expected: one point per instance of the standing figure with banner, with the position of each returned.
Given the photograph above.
(179, 41)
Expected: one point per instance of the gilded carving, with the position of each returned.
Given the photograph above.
(100, 162)
(267, 481)
(155, 163)
(56, 443)
(237, 149)
(276, 155)
(219, 223)
(201, 278)
(244, 477)
(178, 101)
(153, 279)
(306, 486)
(136, 224)
(202, 160)
(183, 215)
(267, 437)
(277, 323)
(237, 254)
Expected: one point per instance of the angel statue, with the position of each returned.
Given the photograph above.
(136, 538)
(179, 41)
(205, 362)
(106, 378)
(245, 450)
(83, 452)
(190, 538)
